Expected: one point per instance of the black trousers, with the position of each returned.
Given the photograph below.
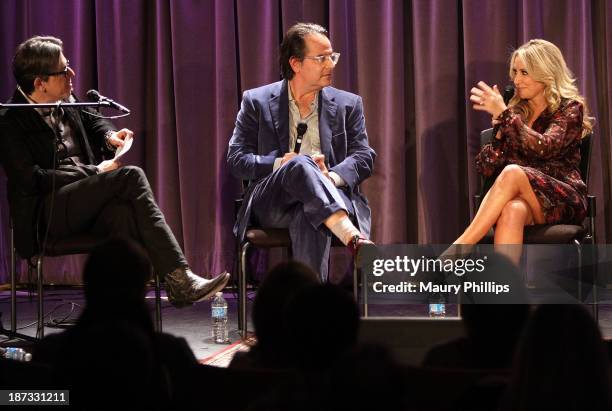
(116, 203)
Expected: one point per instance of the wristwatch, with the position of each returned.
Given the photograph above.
(107, 136)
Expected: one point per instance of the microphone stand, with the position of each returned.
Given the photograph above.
(12, 333)
(59, 104)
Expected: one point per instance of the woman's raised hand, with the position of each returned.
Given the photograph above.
(486, 98)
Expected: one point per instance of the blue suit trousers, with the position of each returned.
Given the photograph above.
(299, 197)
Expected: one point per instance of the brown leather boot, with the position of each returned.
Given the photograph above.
(184, 287)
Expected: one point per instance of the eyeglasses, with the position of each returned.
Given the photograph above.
(64, 72)
(333, 57)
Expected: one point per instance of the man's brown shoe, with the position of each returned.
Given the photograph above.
(184, 287)
(356, 243)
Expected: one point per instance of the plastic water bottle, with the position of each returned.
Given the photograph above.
(17, 354)
(437, 306)
(437, 310)
(219, 319)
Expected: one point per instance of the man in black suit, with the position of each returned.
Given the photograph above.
(57, 185)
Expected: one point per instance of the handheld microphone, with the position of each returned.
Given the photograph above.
(508, 93)
(95, 96)
(301, 130)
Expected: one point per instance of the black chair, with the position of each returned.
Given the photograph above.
(80, 244)
(556, 233)
(551, 233)
(267, 238)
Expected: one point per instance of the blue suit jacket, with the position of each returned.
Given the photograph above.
(262, 134)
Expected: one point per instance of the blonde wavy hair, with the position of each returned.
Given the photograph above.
(545, 63)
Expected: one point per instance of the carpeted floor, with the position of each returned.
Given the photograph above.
(224, 357)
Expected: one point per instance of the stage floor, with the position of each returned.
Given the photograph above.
(193, 323)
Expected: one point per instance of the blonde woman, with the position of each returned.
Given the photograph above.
(536, 151)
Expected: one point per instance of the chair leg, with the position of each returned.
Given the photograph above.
(12, 333)
(364, 287)
(355, 282)
(595, 267)
(13, 282)
(242, 290)
(158, 312)
(30, 282)
(593, 254)
(39, 282)
(580, 276)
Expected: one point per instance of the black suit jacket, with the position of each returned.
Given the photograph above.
(27, 144)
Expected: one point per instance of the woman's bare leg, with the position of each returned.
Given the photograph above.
(510, 184)
(509, 229)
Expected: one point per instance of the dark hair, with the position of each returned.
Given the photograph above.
(561, 363)
(293, 45)
(323, 325)
(276, 292)
(116, 272)
(34, 58)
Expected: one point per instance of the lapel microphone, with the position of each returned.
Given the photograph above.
(301, 130)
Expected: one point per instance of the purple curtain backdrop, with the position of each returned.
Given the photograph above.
(181, 66)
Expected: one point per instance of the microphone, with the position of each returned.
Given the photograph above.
(507, 94)
(95, 96)
(301, 130)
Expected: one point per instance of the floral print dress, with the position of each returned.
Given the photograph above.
(549, 154)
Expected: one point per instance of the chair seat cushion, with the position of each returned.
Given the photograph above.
(276, 237)
(546, 234)
(268, 237)
(78, 244)
(553, 234)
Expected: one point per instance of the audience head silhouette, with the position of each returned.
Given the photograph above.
(323, 323)
(493, 331)
(561, 363)
(116, 273)
(277, 290)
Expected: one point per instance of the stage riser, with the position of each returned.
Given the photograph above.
(409, 339)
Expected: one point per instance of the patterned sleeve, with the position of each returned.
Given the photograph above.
(564, 129)
(491, 157)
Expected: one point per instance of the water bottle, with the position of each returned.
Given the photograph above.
(437, 306)
(437, 310)
(219, 319)
(17, 354)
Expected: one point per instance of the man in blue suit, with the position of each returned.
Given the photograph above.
(307, 182)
